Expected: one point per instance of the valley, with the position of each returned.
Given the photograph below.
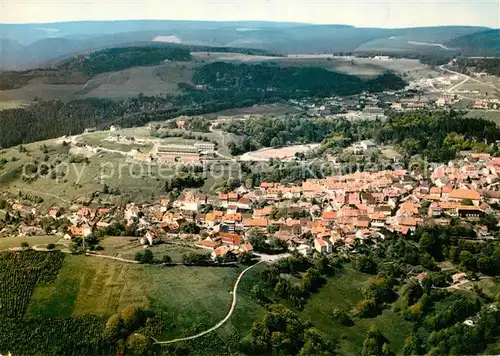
(331, 190)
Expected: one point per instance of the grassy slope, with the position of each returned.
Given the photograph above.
(344, 291)
(189, 299)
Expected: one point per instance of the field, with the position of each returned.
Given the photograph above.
(15, 241)
(12, 104)
(77, 180)
(36, 89)
(73, 297)
(155, 80)
(109, 165)
(484, 89)
(344, 291)
(188, 299)
(127, 247)
(266, 154)
(266, 109)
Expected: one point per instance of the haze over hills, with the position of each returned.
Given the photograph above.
(25, 46)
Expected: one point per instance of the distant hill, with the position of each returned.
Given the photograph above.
(114, 59)
(484, 43)
(40, 43)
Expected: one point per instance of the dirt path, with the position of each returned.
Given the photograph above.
(466, 78)
(42, 193)
(220, 323)
(112, 258)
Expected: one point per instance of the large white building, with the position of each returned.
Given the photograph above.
(207, 147)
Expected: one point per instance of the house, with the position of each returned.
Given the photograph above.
(84, 212)
(367, 144)
(421, 276)
(247, 247)
(150, 238)
(102, 211)
(212, 219)
(220, 251)
(260, 223)
(260, 213)
(190, 202)
(459, 195)
(209, 243)
(83, 230)
(469, 212)
(243, 204)
(329, 215)
(322, 246)
(233, 240)
(459, 277)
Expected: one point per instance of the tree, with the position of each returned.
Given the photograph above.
(368, 308)
(132, 317)
(147, 257)
(311, 280)
(413, 346)
(114, 328)
(366, 264)
(375, 343)
(342, 317)
(190, 228)
(166, 259)
(25, 245)
(138, 344)
(245, 258)
(138, 257)
(257, 293)
(51, 246)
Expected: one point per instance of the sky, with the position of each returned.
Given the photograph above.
(365, 13)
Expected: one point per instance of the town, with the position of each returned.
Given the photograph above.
(336, 213)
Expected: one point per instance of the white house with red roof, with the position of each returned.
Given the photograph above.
(322, 246)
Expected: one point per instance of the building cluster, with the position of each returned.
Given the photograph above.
(172, 153)
(319, 214)
(486, 104)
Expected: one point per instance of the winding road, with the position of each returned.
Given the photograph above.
(220, 323)
(466, 78)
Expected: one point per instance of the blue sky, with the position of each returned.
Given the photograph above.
(366, 13)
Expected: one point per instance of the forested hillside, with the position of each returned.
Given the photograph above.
(409, 132)
(288, 81)
(49, 119)
(484, 43)
(439, 136)
(114, 59)
(488, 65)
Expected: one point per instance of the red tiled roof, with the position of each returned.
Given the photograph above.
(329, 215)
(465, 194)
(257, 222)
(320, 242)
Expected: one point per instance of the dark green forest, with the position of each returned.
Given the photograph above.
(113, 59)
(488, 65)
(289, 81)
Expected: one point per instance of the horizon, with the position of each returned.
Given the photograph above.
(239, 21)
(363, 14)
